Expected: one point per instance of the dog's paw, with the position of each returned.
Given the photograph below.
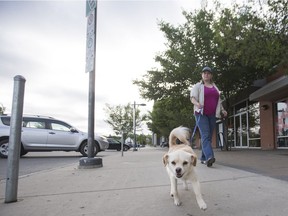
(177, 202)
(202, 205)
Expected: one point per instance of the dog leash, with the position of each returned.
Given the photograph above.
(196, 125)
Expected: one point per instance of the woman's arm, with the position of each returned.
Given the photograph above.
(196, 103)
(223, 111)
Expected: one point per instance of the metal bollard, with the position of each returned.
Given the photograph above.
(15, 140)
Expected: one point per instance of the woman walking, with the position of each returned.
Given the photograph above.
(207, 107)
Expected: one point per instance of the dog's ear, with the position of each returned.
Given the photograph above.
(165, 159)
(194, 159)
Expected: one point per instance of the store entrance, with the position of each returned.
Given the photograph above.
(241, 128)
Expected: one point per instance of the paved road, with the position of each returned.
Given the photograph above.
(39, 161)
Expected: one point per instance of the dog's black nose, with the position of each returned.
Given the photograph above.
(178, 170)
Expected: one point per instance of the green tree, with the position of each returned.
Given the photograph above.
(278, 25)
(240, 45)
(120, 118)
(2, 109)
(170, 113)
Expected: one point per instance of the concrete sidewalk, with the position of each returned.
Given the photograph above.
(137, 184)
(272, 163)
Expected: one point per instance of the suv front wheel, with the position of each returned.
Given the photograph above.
(84, 149)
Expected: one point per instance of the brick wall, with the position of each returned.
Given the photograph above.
(267, 125)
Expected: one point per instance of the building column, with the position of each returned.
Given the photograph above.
(267, 125)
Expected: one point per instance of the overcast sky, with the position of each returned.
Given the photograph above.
(45, 42)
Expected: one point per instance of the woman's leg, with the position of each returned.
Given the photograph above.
(212, 125)
(197, 119)
(205, 132)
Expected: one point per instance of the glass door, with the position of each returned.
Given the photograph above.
(282, 124)
(241, 130)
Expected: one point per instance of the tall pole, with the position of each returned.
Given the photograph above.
(134, 123)
(91, 114)
(15, 140)
(91, 97)
(134, 126)
(91, 13)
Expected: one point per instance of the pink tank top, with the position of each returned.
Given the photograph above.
(211, 97)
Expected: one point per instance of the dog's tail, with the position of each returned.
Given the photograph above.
(181, 133)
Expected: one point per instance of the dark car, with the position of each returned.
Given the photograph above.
(116, 145)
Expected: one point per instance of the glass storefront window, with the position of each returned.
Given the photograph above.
(254, 125)
(282, 123)
(231, 131)
(245, 125)
(241, 107)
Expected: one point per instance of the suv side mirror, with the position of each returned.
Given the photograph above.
(73, 130)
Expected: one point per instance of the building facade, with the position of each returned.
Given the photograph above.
(260, 118)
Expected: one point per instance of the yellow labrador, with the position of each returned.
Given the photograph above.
(180, 162)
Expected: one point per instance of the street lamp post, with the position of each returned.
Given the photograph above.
(134, 123)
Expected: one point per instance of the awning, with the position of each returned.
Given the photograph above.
(273, 91)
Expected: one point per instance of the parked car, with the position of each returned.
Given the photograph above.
(164, 144)
(137, 145)
(116, 145)
(41, 133)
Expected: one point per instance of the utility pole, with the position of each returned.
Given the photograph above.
(134, 123)
(91, 13)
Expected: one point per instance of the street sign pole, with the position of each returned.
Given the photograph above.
(91, 13)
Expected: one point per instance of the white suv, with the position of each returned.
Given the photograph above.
(48, 134)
